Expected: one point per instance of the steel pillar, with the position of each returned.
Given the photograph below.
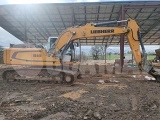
(25, 26)
(80, 51)
(122, 40)
(132, 59)
(105, 52)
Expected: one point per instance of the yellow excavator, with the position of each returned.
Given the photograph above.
(56, 63)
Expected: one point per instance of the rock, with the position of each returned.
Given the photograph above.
(101, 81)
(154, 105)
(85, 117)
(53, 105)
(58, 116)
(2, 117)
(97, 115)
(61, 103)
(18, 101)
(75, 104)
(89, 112)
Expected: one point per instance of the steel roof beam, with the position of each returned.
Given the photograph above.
(80, 21)
(111, 17)
(138, 13)
(153, 26)
(86, 41)
(101, 13)
(61, 18)
(111, 12)
(10, 31)
(145, 6)
(33, 23)
(150, 15)
(85, 17)
(38, 31)
(95, 40)
(154, 41)
(19, 23)
(141, 6)
(98, 13)
(118, 18)
(51, 21)
(39, 27)
(73, 17)
(152, 35)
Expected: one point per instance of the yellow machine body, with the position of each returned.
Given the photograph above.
(29, 56)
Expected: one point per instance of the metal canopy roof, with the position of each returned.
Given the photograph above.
(37, 22)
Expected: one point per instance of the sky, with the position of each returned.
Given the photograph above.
(7, 38)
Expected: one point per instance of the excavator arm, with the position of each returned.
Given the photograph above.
(89, 30)
(131, 30)
(99, 30)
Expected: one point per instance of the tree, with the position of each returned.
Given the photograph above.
(1, 54)
(1, 48)
(102, 52)
(83, 56)
(97, 52)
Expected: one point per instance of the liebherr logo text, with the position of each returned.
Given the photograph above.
(102, 31)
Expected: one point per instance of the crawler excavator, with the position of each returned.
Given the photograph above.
(56, 64)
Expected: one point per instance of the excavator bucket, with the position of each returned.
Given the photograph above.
(155, 71)
(157, 52)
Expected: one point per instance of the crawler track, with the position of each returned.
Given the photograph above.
(36, 74)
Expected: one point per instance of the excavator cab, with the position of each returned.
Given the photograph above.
(51, 43)
(67, 53)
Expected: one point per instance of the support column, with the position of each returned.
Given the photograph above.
(74, 53)
(105, 52)
(80, 51)
(122, 41)
(25, 26)
(132, 59)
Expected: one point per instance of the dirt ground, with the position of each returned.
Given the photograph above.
(109, 97)
(125, 96)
